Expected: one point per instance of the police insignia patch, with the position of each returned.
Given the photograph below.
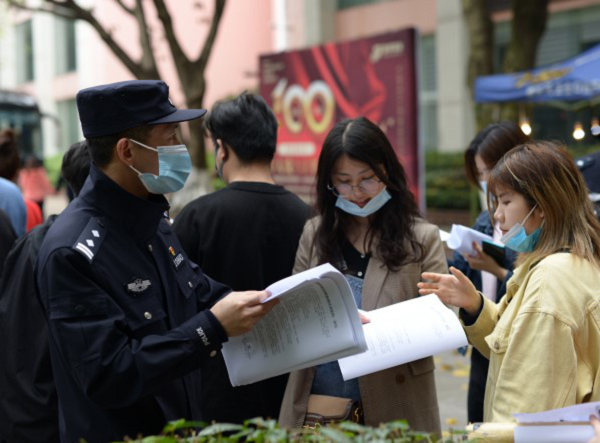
(138, 285)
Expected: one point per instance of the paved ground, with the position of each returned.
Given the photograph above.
(452, 369)
(452, 379)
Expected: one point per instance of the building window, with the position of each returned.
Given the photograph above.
(66, 59)
(24, 47)
(345, 4)
(69, 123)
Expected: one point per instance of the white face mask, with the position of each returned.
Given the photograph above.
(373, 206)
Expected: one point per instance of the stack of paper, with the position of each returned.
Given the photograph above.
(569, 424)
(315, 322)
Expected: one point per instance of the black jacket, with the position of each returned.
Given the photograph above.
(28, 402)
(128, 315)
(7, 238)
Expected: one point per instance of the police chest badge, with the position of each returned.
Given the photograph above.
(137, 286)
(177, 258)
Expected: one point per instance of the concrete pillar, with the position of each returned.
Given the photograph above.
(319, 21)
(456, 124)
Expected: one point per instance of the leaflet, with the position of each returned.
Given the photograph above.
(315, 322)
(461, 239)
(405, 332)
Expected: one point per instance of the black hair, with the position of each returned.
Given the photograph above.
(491, 143)
(9, 155)
(101, 148)
(247, 125)
(76, 166)
(392, 225)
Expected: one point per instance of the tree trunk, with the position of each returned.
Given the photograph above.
(528, 26)
(196, 142)
(481, 44)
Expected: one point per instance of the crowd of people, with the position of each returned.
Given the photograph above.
(113, 317)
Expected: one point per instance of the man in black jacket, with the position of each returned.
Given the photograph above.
(246, 236)
(130, 318)
(28, 403)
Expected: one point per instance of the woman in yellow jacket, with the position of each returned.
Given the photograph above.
(543, 338)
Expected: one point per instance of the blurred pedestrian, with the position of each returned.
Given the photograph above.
(34, 182)
(28, 404)
(11, 199)
(542, 337)
(246, 236)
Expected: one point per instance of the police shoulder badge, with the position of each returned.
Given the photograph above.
(138, 285)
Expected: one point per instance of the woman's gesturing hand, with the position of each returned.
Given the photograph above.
(456, 290)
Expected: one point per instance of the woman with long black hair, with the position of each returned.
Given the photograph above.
(368, 226)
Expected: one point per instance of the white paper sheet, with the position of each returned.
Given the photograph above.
(405, 332)
(580, 412)
(314, 323)
(554, 434)
(461, 239)
(444, 236)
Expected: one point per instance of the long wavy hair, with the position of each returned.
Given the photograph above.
(545, 174)
(392, 225)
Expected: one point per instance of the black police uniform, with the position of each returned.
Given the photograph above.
(127, 315)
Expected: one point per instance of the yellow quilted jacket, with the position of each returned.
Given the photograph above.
(542, 339)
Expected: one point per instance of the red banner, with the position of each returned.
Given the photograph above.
(312, 89)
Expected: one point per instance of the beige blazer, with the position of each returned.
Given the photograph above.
(403, 392)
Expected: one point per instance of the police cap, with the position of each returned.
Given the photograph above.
(116, 107)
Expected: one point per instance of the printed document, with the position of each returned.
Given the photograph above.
(315, 322)
(405, 332)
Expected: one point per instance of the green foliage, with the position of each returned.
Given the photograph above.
(446, 185)
(267, 431)
(52, 165)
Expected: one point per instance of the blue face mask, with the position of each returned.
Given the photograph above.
(483, 185)
(518, 240)
(373, 206)
(174, 166)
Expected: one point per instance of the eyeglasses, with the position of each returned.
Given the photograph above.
(369, 186)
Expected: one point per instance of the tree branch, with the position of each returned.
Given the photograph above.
(182, 63)
(148, 60)
(125, 8)
(201, 62)
(71, 10)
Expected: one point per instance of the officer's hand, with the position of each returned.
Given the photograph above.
(238, 312)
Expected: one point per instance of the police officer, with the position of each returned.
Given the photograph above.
(131, 319)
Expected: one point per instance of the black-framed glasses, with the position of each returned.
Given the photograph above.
(369, 186)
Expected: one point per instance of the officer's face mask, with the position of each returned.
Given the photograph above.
(174, 166)
(518, 240)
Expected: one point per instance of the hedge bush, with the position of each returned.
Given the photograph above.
(267, 431)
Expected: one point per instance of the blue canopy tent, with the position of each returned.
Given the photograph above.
(576, 79)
